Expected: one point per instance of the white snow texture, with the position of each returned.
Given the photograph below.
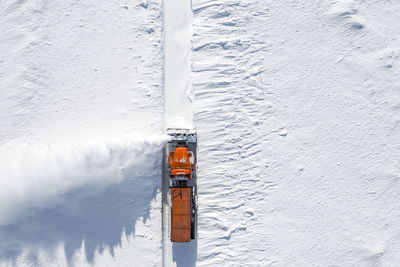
(296, 105)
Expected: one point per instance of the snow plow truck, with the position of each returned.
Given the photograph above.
(181, 151)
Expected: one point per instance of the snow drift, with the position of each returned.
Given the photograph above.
(34, 176)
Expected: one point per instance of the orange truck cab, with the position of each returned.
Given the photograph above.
(180, 163)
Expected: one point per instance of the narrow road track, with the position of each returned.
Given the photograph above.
(177, 49)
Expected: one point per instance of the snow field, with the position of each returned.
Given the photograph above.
(74, 72)
(81, 129)
(296, 110)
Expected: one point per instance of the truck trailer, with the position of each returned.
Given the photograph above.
(182, 179)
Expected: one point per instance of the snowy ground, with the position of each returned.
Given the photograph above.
(80, 132)
(297, 110)
(297, 107)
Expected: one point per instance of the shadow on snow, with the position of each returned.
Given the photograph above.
(185, 254)
(96, 216)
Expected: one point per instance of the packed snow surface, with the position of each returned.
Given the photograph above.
(177, 18)
(296, 105)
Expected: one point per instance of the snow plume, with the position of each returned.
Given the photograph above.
(34, 176)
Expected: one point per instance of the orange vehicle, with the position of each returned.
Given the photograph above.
(182, 184)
